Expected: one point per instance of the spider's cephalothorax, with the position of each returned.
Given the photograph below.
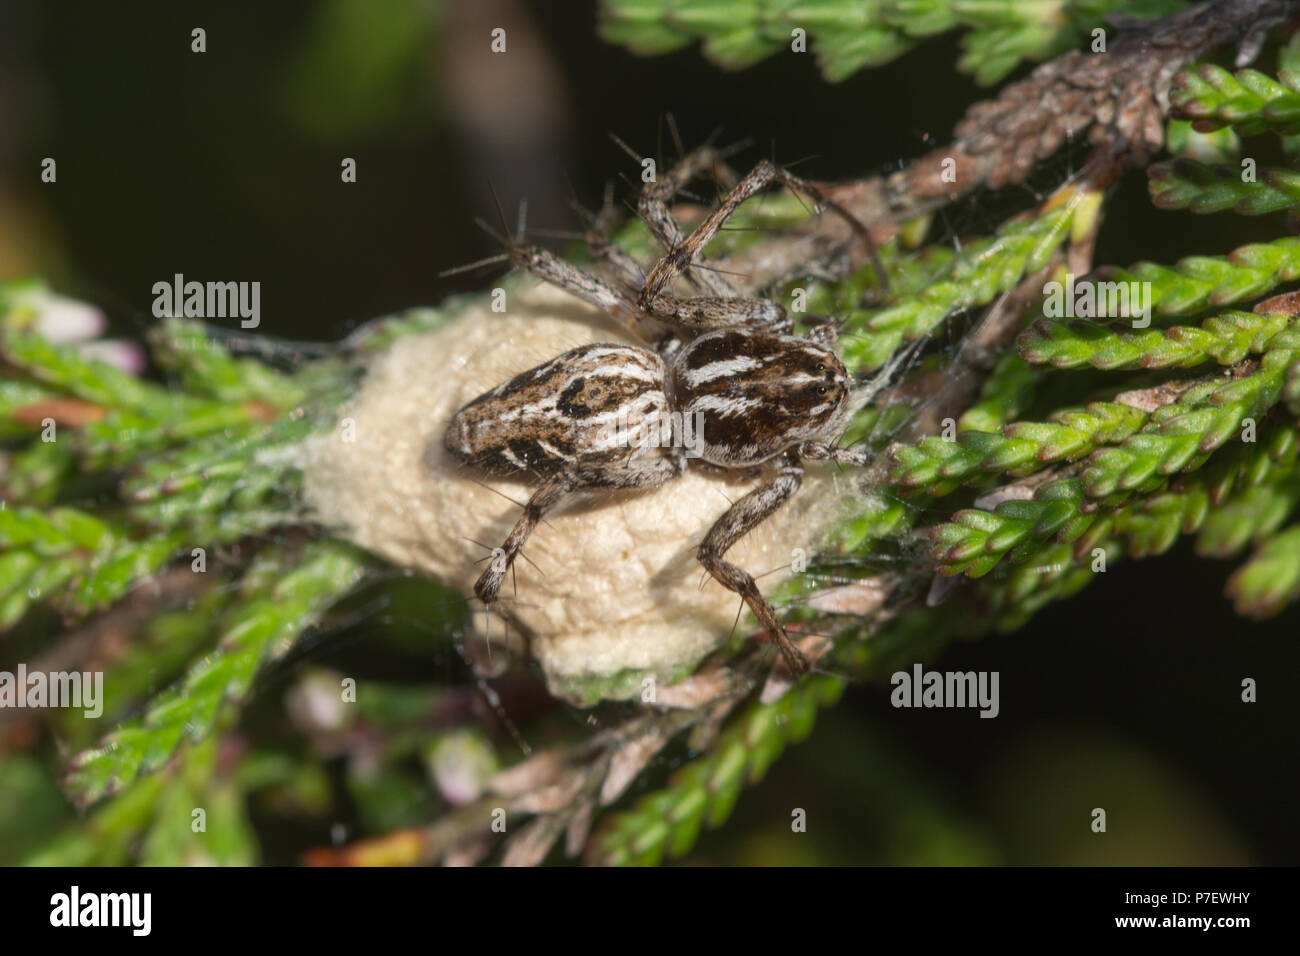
(735, 387)
(758, 394)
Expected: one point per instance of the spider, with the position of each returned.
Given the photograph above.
(762, 397)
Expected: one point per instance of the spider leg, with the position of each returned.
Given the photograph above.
(600, 228)
(820, 451)
(720, 306)
(583, 285)
(683, 253)
(705, 312)
(551, 493)
(741, 518)
(723, 306)
(656, 195)
(550, 268)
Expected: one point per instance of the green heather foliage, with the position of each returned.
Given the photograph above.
(847, 36)
(1083, 440)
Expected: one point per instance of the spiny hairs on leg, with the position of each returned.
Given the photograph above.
(653, 210)
(556, 271)
(744, 516)
(718, 305)
(551, 493)
(681, 255)
(600, 229)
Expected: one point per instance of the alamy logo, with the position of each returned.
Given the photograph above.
(53, 689)
(103, 909)
(922, 688)
(664, 430)
(209, 300)
(1087, 299)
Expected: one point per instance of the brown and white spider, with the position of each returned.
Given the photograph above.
(757, 395)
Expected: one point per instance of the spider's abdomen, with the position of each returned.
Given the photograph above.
(755, 395)
(582, 412)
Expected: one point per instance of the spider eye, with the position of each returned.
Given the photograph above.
(821, 389)
(821, 366)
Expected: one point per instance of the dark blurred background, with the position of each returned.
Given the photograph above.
(226, 165)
